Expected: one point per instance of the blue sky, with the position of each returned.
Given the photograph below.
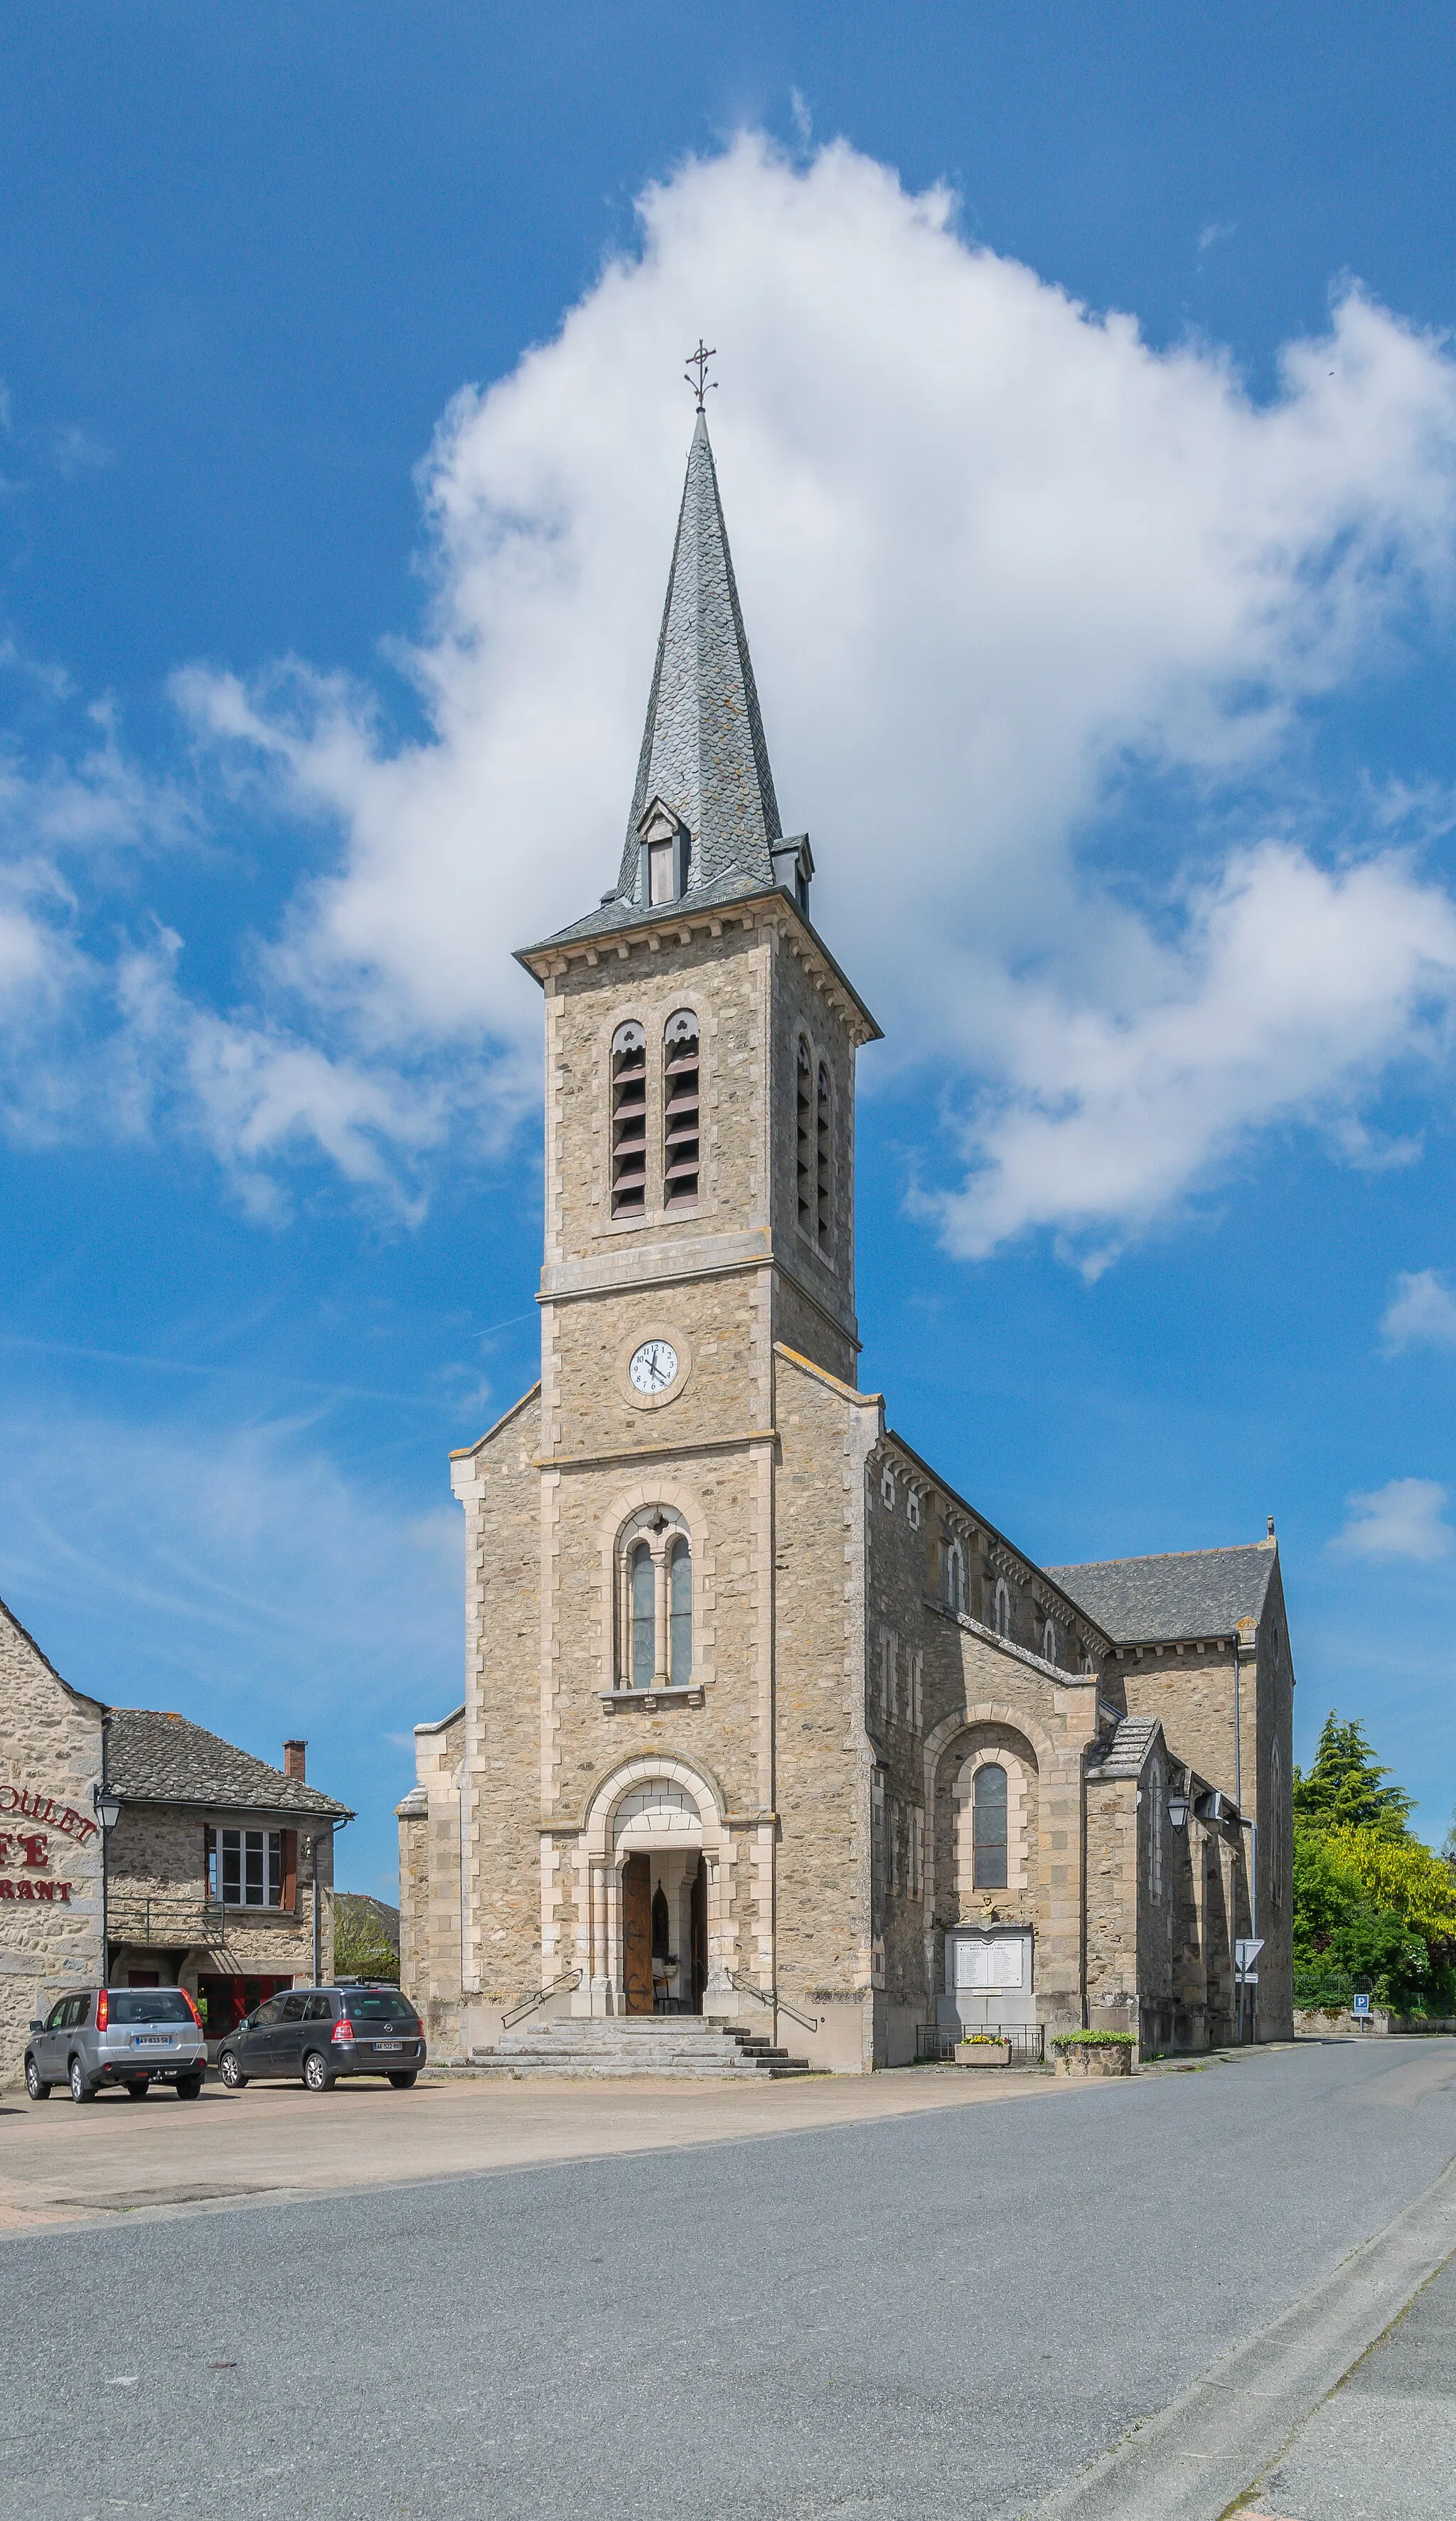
(1087, 434)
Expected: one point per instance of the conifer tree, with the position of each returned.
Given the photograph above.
(1345, 1786)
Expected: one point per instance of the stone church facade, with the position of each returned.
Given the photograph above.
(762, 1719)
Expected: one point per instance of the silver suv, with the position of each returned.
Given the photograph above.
(133, 2037)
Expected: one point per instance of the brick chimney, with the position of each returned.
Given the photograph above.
(295, 1761)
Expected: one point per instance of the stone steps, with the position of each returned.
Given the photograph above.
(681, 2047)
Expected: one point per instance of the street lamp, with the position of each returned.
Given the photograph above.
(1177, 1808)
(107, 1813)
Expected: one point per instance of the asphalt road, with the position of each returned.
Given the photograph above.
(948, 2314)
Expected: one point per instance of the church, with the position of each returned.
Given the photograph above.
(763, 1720)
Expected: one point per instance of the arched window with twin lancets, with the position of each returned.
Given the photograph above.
(682, 1123)
(655, 1602)
(989, 1828)
(803, 1135)
(823, 1159)
(629, 1120)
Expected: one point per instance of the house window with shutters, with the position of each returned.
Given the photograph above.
(253, 1869)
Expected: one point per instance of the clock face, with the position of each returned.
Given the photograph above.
(653, 1366)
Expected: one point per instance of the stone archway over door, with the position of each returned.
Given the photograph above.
(656, 1834)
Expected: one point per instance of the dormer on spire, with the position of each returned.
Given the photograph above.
(703, 758)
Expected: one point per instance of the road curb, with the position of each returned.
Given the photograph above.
(1207, 2448)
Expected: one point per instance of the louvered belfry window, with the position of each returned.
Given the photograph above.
(823, 1153)
(681, 1118)
(803, 1101)
(628, 1121)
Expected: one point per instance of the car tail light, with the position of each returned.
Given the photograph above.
(343, 2029)
(191, 2009)
(102, 2010)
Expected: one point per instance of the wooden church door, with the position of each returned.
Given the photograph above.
(637, 1978)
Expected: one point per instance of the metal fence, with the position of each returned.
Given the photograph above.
(935, 2043)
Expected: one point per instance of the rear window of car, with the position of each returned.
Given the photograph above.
(148, 2004)
(379, 2005)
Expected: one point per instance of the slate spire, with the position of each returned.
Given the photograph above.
(704, 755)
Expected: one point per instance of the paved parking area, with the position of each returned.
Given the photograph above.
(116, 2157)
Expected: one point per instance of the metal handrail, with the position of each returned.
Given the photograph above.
(173, 1913)
(170, 1912)
(558, 1987)
(771, 1997)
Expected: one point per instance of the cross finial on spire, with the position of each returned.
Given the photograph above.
(698, 359)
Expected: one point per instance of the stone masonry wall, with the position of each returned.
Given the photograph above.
(940, 1690)
(724, 982)
(1112, 1905)
(50, 1760)
(158, 1855)
(508, 1509)
(1274, 1770)
(823, 1759)
(431, 1922)
(800, 1008)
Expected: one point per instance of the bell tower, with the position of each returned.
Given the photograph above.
(700, 1065)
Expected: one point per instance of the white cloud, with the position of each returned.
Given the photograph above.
(1002, 563)
(1401, 1519)
(994, 551)
(1421, 1314)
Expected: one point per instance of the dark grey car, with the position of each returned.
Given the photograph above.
(133, 2037)
(313, 2035)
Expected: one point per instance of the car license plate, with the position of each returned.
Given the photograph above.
(394, 2046)
(151, 2039)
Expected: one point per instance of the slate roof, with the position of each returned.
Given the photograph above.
(1190, 1593)
(703, 752)
(1123, 1752)
(702, 748)
(155, 1759)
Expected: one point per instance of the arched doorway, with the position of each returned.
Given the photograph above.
(663, 1904)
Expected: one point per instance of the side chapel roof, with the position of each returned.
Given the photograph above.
(1187, 1594)
(1125, 1749)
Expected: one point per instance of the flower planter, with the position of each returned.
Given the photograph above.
(1080, 2064)
(982, 2053)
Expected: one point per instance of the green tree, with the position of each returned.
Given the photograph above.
(1345, 1787)
(1372, 1907)
(363, 1944)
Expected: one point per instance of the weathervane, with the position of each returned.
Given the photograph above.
(698, 359)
